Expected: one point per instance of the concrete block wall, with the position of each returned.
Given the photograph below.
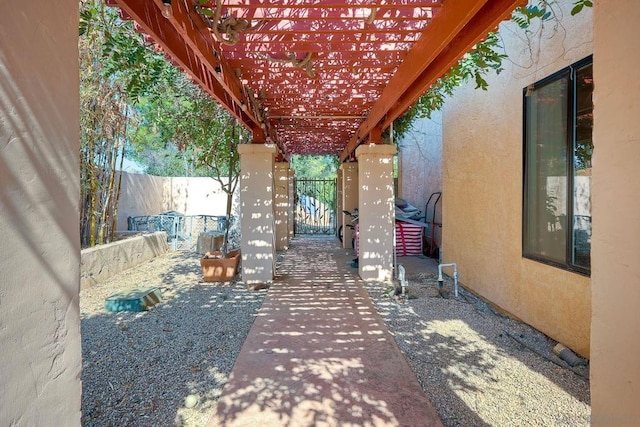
(102, 262)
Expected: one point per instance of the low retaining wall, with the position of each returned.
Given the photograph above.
(101, 262)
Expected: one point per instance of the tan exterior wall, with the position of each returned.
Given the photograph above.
(420, 164)
(615, 343)
(339, 201)
(152, 195)
(482, 187)
(40, 358)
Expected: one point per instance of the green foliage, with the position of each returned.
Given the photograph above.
(579, 5)
(134, 101)
(487, 56)
(523, 16)
(315, 167)
(475, 65)
(124, 56)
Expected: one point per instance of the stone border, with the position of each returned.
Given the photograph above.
(102, 262)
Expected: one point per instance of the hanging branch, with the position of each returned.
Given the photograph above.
(230, 26)
(306, 63)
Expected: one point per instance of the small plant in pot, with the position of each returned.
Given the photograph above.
(223, 159)
(208, 138)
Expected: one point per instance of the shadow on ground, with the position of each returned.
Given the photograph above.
(139, 367)
(473, 365)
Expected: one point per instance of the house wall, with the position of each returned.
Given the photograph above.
(420, 159)
(482, 185)
(615, 343)
(40, 358)
(152, 195)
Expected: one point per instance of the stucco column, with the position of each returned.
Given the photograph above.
(339, 214)
(40, 356)
(615, 243)
(256, 212)
(282, 205)
(292, 203)
(349, 199)
(376, 211)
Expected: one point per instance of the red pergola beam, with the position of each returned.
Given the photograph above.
(486, 20)
(192, 48)
(452, 32)
(188, 49)
(322, 6)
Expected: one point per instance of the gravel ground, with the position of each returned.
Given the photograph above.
(144, 369)
(480, 368)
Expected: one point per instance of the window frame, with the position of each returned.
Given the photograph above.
(570, 73)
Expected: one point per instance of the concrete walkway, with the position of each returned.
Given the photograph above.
(319, 354)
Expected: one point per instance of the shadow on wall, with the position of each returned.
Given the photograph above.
(38, 201)
(376, 236)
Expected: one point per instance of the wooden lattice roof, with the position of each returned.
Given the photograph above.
(317, 76)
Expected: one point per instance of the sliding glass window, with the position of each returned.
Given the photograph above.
(558, 123)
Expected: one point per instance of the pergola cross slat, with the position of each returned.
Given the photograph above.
(323, 76)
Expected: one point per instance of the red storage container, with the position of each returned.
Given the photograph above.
(408, 239)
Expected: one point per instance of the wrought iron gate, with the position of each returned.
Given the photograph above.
(315, 208)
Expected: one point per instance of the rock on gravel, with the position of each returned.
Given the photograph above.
(480, 368)
(165, 366)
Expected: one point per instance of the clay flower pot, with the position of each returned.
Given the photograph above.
(218, 269)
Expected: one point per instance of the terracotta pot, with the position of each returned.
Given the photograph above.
(218, 269)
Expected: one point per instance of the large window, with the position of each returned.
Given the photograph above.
(558, 121)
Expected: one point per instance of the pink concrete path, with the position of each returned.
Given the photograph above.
(319, 354)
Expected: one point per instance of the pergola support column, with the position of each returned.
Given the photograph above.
(292, 204)
(282, 202)
(376, 212)
(339, 208)
(349, 193)
(257, 212)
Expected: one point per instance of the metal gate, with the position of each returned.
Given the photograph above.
(315, 208)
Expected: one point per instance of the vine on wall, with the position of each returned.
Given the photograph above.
(488, 55)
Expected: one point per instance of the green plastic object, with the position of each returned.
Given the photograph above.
(135, 300)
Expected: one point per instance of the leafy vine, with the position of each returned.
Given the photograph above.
(486, 56)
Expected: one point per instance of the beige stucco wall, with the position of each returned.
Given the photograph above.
(257, 212)
(339, 201)
(376, 218)
(40, 358)
(152, 195)
(198, 196)
(482, 187)
(615, 343)
(420, 164)
(140, 195)
(281, 204)
(291, 222)
(349, 194)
